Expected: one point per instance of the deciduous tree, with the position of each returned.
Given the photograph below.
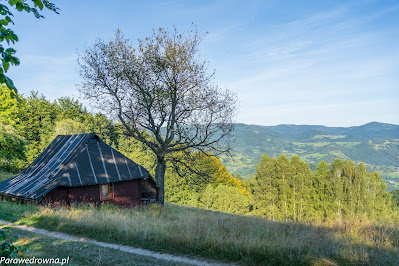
(12, 148)
(163, 88)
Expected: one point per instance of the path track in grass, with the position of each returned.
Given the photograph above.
(132, 250)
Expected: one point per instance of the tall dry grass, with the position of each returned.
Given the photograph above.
(247, 240)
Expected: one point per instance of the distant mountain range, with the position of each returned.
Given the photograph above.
(375, 144)
(368, 131)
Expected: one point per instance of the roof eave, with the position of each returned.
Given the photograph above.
(19, 197)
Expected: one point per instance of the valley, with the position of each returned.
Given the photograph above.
(375, 144)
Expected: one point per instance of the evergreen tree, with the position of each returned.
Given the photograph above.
(395, 199)
(323, 192)
(302, 189)
(72, 109)
(281, 189)
(348, 175)
(108, 131)
(264, 188)
(337, 181)
(284, 190)
(284, 174)
(360, 190)
(381, 199)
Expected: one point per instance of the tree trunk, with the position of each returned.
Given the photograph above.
(160, 179)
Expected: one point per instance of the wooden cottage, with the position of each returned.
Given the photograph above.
(81, 169)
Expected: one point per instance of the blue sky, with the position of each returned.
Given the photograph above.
(333, 63)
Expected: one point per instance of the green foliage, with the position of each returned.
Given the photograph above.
(119, 79)
(323, 191)
(12, 149)
(210, 186)
(225, 198)
(130, 147)
(7, 35)
(37, 122)
(395, 199)
(9, 250)
(8, 107)
(70, 127)
(375, 144)
(265, 187)
(288, 190)
(72, 109)
(281, 189)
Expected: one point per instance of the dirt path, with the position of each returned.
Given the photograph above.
(132, 250)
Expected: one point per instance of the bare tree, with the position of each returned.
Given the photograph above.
(162, 88)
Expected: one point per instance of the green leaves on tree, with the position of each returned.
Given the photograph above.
(288, 190)
(7, 35)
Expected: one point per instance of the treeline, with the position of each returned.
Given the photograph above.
(212, 187)
(286, 189)
(281, 189)
(29, 124)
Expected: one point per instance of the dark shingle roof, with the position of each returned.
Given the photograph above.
(72, 161)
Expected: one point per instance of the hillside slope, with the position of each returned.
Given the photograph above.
(195, 232)
(375, 144)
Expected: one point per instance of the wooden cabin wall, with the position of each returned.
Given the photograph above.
(57, 196)
(126, 193)
(148, 191)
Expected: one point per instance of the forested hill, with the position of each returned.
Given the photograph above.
(368, 131)
(375, 144)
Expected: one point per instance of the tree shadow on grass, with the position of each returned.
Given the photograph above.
(226, 237)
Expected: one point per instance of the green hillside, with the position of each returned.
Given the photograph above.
(195, 232)
(375, 144)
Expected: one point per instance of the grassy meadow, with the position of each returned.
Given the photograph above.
(40, 246)
(225, 237)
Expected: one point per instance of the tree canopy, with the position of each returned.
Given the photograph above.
(160, 87)
(282, 189)
(288, 190)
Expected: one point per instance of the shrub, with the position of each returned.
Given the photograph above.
(9, 250)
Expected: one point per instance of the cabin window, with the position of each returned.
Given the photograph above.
(106, 191)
